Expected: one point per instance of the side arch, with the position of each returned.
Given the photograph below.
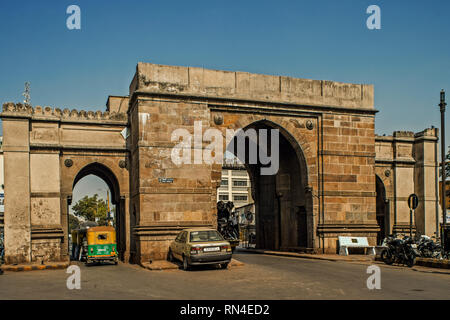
(102, 171)
(116, 178)
(382, 209)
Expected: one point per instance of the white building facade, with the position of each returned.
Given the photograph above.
(235, 185)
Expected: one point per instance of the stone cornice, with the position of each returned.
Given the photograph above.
(167, 228)
(37, 146)
(46, 232)
(396, 161)
(239, 103)
(347, 228)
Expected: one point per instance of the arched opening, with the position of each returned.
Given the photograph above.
(282, 203)
(382, 209)
(98, 184)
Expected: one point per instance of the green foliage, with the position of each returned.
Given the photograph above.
(74, 223)
(447, 165)
(91, 209)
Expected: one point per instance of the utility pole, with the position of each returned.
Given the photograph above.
(442, 106)
(26, 94)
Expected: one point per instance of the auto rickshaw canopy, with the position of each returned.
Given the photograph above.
(101, 235)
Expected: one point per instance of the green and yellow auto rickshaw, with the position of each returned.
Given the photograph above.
(101, 245)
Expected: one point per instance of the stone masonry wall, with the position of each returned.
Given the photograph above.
(165, 98)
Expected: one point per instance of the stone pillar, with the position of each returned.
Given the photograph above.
(171, 197)
(404, 176)
(16, 150)
(425, 178)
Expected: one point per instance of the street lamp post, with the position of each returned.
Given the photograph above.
(442, 105)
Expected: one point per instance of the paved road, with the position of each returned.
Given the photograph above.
(262, 277)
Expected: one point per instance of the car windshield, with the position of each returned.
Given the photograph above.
(206, 235)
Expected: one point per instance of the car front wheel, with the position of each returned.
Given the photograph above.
(185, 263)
(224, 265)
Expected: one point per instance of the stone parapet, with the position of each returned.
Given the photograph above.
(51, 114)
(189, 81)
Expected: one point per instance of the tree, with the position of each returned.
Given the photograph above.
(91, 209)
(447, 166)
(74, 223)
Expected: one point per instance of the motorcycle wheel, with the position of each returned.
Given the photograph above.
(387, 257)
(410, 261)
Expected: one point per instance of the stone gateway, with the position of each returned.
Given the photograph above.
(330, 182)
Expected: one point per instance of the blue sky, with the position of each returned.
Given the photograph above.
(408, 60)
(90, 185)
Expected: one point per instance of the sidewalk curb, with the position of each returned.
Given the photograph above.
(424, 262)
(19, 268)
(159, 265)
(166, 265)
(429, 263)
(303, 256)
(433, 263)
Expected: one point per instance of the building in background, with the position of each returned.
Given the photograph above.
(447, 202)
(235, 185)
(246, 214)
(406, 163)
(247, 225)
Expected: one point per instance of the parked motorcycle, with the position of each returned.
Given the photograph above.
(398, 251)
(2, 251)
(2, 248)
(428, 248)
(228, 229)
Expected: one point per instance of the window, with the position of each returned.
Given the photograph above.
(207, 235)
(223, 197)
(102, 236)
(240, 183)
(239, 198)
(183, 237)
(224, 182)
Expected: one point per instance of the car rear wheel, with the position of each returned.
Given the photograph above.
(170, 256)
(185, 264)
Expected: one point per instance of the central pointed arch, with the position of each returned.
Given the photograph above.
(283, 205)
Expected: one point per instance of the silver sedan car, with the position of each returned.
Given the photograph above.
(200, 246)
